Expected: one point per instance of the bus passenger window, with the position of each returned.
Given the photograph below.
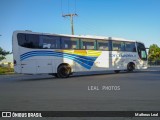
(88, 44)
(69, 43)
(49, 42)
(130, 47)
(102, 45)
(21, 39)
(28, 40)
(118, 46)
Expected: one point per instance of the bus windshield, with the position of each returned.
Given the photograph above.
(142, 51)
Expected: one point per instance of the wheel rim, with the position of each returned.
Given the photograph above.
(131, 67)
(64, 71)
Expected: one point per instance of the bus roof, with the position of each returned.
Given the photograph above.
(77, 36)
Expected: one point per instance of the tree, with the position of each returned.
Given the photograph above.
(154, 53)
(3, 53)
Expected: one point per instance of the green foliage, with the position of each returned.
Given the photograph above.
(154, 53)
(4, 70)
(3, 53)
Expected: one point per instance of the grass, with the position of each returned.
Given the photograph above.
(5, 70)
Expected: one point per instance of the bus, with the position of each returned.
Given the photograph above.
(61, 55)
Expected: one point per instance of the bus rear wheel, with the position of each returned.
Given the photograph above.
(130, 67)
(63, 71)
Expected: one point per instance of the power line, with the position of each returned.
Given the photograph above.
(61, 8)
(68, 6)
(75, 4)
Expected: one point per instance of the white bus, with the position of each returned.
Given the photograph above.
(62, 55)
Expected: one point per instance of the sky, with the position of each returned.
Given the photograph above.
(129, 19)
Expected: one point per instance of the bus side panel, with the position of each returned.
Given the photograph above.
(120, 59)
(29, 66)
(44, 66)
(102, 62)
(79, 68)
(36, 66)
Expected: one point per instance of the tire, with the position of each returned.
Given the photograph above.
(130, 67)
(63, 71)
(56, 75)
(117, 71)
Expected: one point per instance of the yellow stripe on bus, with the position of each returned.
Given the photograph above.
(82, 52)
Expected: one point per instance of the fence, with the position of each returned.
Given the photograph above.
(154, 63)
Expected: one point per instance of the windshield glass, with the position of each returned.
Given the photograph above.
(141, 51)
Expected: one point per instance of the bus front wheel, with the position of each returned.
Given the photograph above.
(130, 67)
(63, 71)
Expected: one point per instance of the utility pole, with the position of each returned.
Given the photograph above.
(71, 19)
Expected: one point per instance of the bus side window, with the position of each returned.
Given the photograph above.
(32, 41)
(21, 39)
(69, 43)
(88, 44)
(49, 42)
(102, 45)
(130, 47)
(118, 46)
(28, 40)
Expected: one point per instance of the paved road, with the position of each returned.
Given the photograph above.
(138, 91)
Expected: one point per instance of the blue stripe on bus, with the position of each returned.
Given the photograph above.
(85, 61)
(51, 52)
(58, 53)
